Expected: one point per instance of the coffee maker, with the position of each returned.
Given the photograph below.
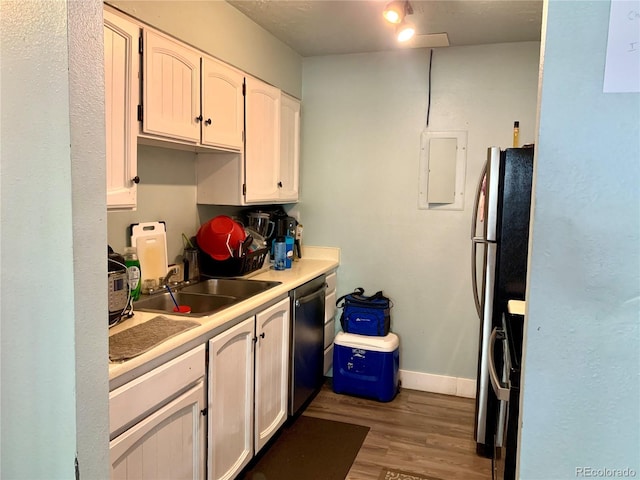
(286, 226)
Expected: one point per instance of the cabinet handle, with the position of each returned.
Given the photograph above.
(136, 179)
(262, 335)
(207, 121)
(199, 118)
(279, 184)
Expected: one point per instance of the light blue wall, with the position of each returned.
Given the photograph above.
(53, 357)
(362, 118)
(580, 405)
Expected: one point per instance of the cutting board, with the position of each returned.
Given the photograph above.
(150, 240)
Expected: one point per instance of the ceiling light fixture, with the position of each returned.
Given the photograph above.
(405, 31)
(396, 12)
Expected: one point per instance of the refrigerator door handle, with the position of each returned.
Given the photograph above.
(501, 392)
(474, 244)
(474, 277)
(476, 204)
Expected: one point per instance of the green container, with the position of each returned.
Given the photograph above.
(133, 269)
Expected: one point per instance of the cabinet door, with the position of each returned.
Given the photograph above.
(230, 408)
(171, 89)
(289, 148)
(169, 443)
(222, 105)
(121, 87)
(262, 143)
(272, 371)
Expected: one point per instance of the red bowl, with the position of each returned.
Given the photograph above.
(220, 237)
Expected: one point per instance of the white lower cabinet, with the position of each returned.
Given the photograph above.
(241, 419)
(230, 408)
(161, 417)
(272, 371)
(329, 320)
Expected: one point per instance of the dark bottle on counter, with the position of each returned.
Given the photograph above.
(133, 269)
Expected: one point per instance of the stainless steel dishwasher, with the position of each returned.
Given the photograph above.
(307, 343)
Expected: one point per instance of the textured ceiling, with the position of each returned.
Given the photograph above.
(327, 27)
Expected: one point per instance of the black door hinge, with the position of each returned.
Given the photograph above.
(244, 189)
(140, 113)
(77, 468)
(244, 88)
(140, 44)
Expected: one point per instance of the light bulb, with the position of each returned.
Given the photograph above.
(405, 31)
(394, 12)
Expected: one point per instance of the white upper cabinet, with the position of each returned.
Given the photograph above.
(163, 92)
(121, 71)
(262, 147)
(289, 148)
(190, 98)
(269, 170)
(171, 90)
(222, 105)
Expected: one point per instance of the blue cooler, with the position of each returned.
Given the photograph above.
(366, 366)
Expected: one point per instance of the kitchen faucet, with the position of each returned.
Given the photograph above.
(165, 280)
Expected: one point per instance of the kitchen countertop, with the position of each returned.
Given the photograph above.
(315, 261)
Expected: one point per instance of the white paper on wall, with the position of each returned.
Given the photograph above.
(622, 67)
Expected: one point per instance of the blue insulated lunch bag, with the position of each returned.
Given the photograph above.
(365, 315)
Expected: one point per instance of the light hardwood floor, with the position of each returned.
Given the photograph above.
(419, 432)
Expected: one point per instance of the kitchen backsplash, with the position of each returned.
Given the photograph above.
(166, 192)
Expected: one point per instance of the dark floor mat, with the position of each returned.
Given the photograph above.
(310, 449)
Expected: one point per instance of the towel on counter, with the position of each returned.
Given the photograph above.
(136, 340)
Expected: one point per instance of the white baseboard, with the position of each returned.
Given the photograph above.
(427, 382)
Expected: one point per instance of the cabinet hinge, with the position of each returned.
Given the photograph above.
(244, 189)
(244, 88)
(140, 113)
(77, 468)
(140, 44)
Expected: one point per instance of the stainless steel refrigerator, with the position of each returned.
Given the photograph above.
(500, 236)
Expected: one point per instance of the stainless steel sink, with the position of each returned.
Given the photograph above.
(204, 298)
(231, 287)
